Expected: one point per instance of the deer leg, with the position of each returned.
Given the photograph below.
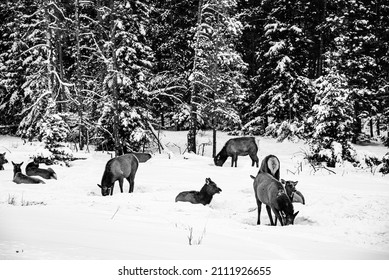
(112, 188)
(259, 206)
(131, 181)
(278, 216)
(121, 184)
(254, 160)
(270, 215)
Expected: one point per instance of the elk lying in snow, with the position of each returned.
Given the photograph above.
(204, 196)
(271, 164)
(270, 191)
(20, 178)
(3, 160)
(32, 169)
(241, 146)
(117, 169)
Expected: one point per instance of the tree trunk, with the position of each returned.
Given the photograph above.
(357, 125)
(81, 140)
(321, 48)
(378, 127)
(49, 47)
(115, 95)
(61, 97)
(371, 127)
(214, 142)
(162, 120)
(193, 98)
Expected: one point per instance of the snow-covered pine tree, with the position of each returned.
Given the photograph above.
(34, 31)
(11, 77)
(127, 57)
(283, 74)
(171, 37)
(218, 73)
(329, 129)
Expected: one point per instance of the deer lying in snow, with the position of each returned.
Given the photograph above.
(20, 178)
(204, 196)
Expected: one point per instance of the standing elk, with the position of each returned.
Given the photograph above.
(117, 169)
(271, 164)
(241, 146)
(270, 191)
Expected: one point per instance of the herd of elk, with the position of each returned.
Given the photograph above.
(278, 195)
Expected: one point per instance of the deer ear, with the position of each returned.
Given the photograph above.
(295, 214)
(207, 180)
(99, 186)
(295, 183)
(283, 181)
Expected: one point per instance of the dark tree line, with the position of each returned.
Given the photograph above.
(109, 71)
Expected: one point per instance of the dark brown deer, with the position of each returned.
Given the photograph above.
(204, 196)
(3, 160)
(271, 164)
(32, 169)
(270, 191)
(117, 169)
(241, 146)
(20, 178)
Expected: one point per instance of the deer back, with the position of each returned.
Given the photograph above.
(267, 189)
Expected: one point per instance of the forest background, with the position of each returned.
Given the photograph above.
(112, 72)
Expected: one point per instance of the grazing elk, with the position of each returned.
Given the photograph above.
(204, 196)
(32, 169)
(270, 191)
(241, 146)
(20, 178)
(117, 169)
(3, 160)
(271, 164)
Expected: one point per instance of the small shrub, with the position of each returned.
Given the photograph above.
(195, 241)
(11, 200)
(23, 202)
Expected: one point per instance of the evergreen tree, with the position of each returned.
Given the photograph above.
(171, 36)
(285, 89)
(217, 76)
(330, 126)
(128, 60)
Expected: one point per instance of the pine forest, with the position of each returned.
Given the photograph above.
(114, 72)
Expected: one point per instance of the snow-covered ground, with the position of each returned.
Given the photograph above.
(346, 215)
